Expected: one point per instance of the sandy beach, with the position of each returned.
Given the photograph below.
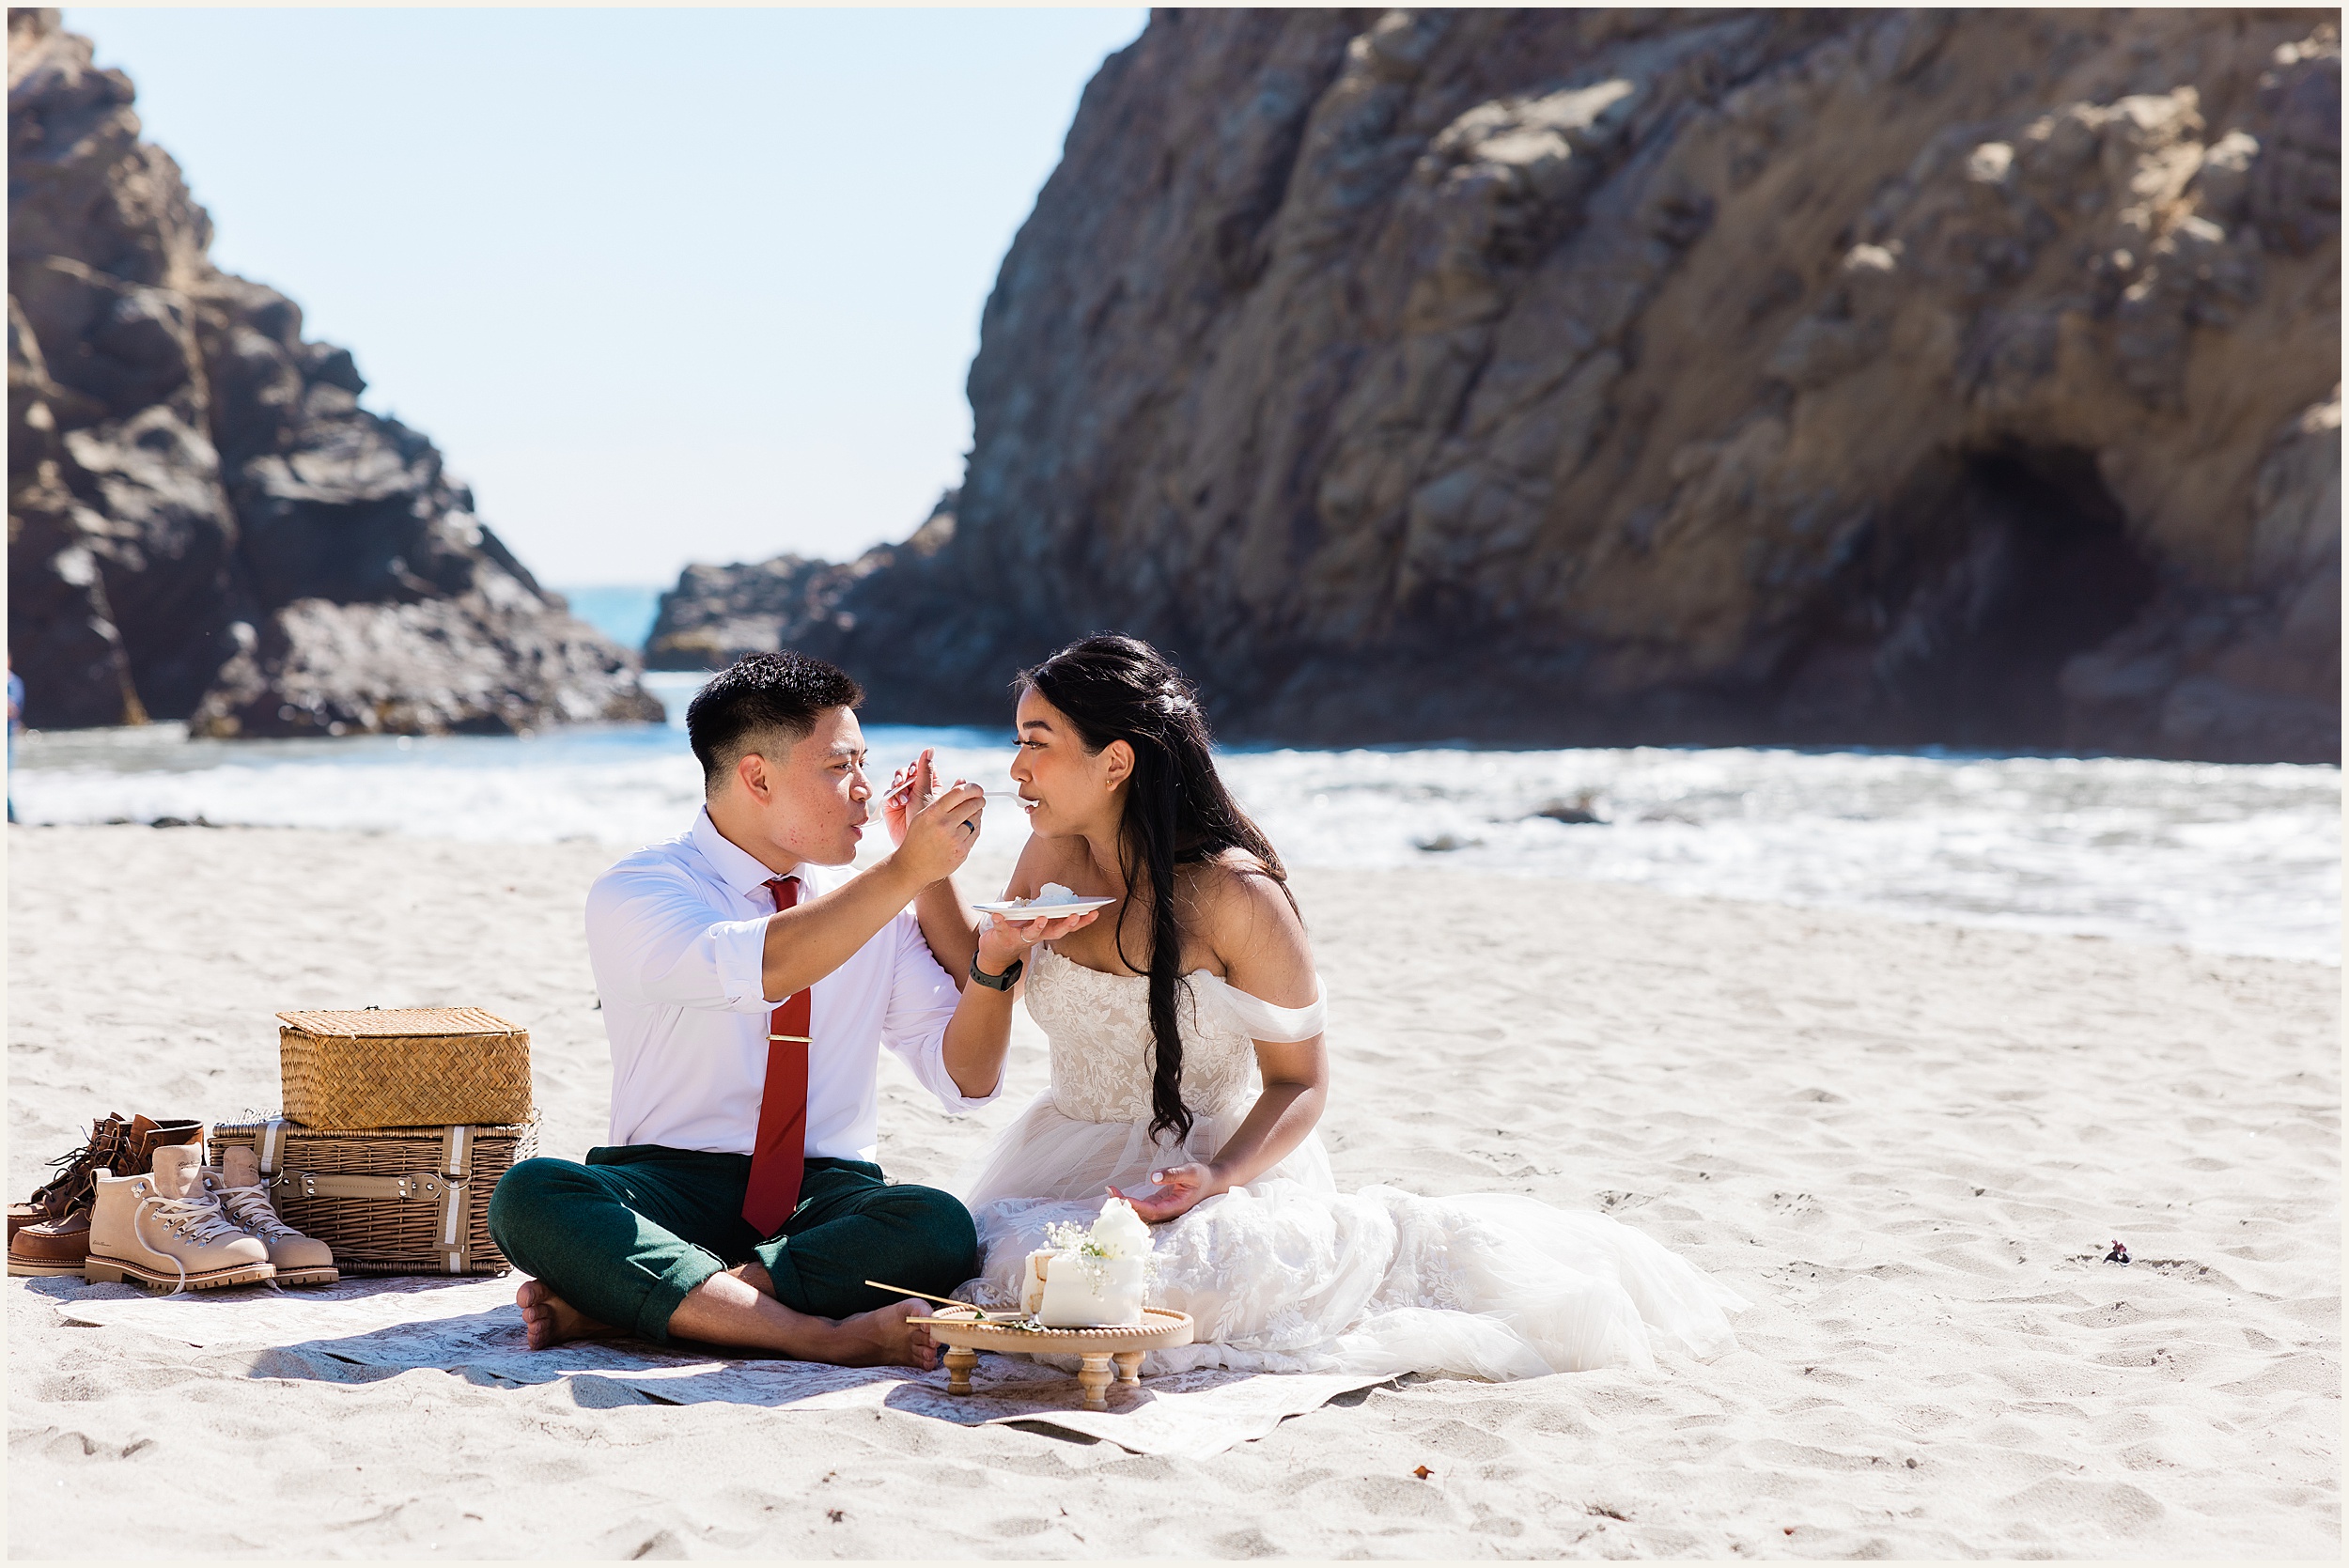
(1909, 1145)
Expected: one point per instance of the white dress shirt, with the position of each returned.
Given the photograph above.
(677, 935)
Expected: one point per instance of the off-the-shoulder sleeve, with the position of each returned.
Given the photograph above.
(1259, 1019)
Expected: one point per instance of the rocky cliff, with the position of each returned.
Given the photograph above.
(716, 614)
(203, 522)
(1880, 377)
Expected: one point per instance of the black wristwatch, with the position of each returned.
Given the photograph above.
(1002, 981)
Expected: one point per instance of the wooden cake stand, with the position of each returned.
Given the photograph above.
(966, 1333)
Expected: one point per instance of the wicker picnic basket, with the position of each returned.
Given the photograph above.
(390, 1200)
(403, 1067)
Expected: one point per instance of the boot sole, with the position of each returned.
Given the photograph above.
(21, 1270)
(113, 1272)
(309, 1276)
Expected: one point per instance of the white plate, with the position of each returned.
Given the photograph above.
(1011, 909)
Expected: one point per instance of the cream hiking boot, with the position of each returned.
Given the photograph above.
(300, 1260)
(167, 1229)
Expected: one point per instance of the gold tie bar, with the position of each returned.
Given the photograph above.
(799, 1039)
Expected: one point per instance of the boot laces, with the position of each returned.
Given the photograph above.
(97, 1151)
(76, 1167)
(196, 1217)
(250, 1207)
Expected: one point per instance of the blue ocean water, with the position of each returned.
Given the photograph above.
(623, 612)
(2222, 857)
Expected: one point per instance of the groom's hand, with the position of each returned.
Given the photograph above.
(910, 788)
(939, 836)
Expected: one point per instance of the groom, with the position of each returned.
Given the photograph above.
(747, 981)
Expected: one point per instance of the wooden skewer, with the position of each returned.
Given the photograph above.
(942, 1300)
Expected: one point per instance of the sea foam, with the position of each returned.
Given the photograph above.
(2223, 858)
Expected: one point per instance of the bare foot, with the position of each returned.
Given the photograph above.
(548, 1319)
(891, 1336)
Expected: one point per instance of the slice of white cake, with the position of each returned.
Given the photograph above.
(1091, 1280)
(1077, 1297)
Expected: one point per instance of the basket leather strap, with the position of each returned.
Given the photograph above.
(313, 1183)
(453, 1240)
(453, 1225)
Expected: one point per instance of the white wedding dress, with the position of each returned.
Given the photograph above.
(1287, 1274)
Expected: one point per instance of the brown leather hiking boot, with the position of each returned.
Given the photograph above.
(300, 1260)
(52, 1247)
(57, 1245)
(166, 1227)
(75, 1169)
(143, 1137)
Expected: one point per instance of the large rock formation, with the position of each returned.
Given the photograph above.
(716, 614)
(1891, 377)
(202, 524)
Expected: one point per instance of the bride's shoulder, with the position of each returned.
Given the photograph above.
(1236, 871)
(1244, 903)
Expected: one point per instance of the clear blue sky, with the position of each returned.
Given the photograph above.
(664, 286)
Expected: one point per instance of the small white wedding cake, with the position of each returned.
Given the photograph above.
(1091, 1280)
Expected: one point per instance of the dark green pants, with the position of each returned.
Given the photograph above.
(626, 1236)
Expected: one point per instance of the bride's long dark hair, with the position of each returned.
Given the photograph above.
(1177, 812)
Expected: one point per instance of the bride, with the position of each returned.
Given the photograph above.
(1188, 1068)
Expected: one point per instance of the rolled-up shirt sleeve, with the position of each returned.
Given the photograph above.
(920, 1000)
(651, 941)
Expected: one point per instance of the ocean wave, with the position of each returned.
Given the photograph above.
(2225, 858)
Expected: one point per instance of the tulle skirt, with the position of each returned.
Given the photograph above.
(1287, 1274)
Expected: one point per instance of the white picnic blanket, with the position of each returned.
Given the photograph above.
(367, 1327)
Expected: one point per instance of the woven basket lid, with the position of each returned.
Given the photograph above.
(394, 1022)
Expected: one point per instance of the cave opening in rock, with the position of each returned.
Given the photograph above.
(2016, 558)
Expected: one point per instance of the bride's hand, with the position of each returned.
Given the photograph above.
(1179, 1189)
(1006, 941)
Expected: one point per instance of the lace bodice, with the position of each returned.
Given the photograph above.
(1100, 1028)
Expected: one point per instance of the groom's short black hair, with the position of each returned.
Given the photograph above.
(759, 695)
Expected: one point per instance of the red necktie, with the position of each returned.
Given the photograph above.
(779, 1157)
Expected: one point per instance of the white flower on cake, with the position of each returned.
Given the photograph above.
(1091, 1278)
